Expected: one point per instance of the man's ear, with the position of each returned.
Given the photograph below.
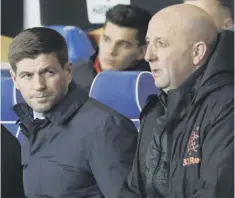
(13, 77)
(142, 52)
(68, 69)
(199, 52)
(228, 24)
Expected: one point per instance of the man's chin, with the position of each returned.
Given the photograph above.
(41, 109)
(161, 85)
(111, 68)
(107, 68)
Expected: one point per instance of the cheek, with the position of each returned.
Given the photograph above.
(170, 66)
(59, 84)
(25, 92)
(127, 55)
(102, 48)
(23, 87)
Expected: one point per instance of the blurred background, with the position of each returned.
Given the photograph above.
(20, 14)
(17, 15)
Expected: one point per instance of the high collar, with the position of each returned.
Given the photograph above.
(61, 113)
(219, 71)
(179, 99)
(75, 98)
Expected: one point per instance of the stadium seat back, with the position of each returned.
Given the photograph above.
(126, 92)
(78, 42)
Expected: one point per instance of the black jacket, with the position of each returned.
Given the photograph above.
(84, 72)
(11, 168)
(186, 142)
(82, 149)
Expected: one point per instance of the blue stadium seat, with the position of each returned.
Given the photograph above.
(79, 45)
(8, 117)
(126, 92)
(9, 97)
(7, 100)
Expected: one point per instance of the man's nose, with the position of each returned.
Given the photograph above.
(150, 55)
(112, 50)
(38, 83)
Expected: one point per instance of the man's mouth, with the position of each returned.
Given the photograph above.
(155, 71)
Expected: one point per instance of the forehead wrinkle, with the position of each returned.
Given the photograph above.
(193, 25)
(161, 28)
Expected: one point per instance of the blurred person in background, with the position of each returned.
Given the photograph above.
(121, 47)
(221, 11)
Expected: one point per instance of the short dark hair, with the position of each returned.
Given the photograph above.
(132, 17)
(229, 5)
(35, 41)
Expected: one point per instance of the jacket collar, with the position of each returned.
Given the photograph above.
(75, 98)
(181, 98)
(61, 113)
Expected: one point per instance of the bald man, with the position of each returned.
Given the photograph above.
(221, 11)
(185, 146)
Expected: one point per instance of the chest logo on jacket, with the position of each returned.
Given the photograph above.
(192, 148)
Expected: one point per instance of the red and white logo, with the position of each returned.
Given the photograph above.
(192, 148)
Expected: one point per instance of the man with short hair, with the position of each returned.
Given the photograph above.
(121, 47)
(74, 145)
(186, 142)
(221, 11)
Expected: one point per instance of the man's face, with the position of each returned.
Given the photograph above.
(42, 81)
(219, 14)
(118, 47)
(168, 54)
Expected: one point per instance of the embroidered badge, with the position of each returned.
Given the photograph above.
(192, 148)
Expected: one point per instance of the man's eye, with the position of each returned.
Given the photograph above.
(160, 44)
(125, 45)
(106, 38)
(50, 72)
(26, 76)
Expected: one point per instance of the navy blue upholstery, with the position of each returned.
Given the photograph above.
(9, 97)
(7, 100)
(79, 45)
(126, 92)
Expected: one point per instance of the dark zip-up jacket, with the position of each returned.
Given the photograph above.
(84, 72)
(11, 168)
(82, 149)
(186, 144)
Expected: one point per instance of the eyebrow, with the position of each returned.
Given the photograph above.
(40, 71)
(119, 41)
(125, 41)
(156, 39)
(161, 39)
(164, 40)
(24, 72)
(46, 69)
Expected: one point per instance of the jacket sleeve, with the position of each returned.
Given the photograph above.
(217, 165)
(111, 154)
(11, 168)
(130, 187)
